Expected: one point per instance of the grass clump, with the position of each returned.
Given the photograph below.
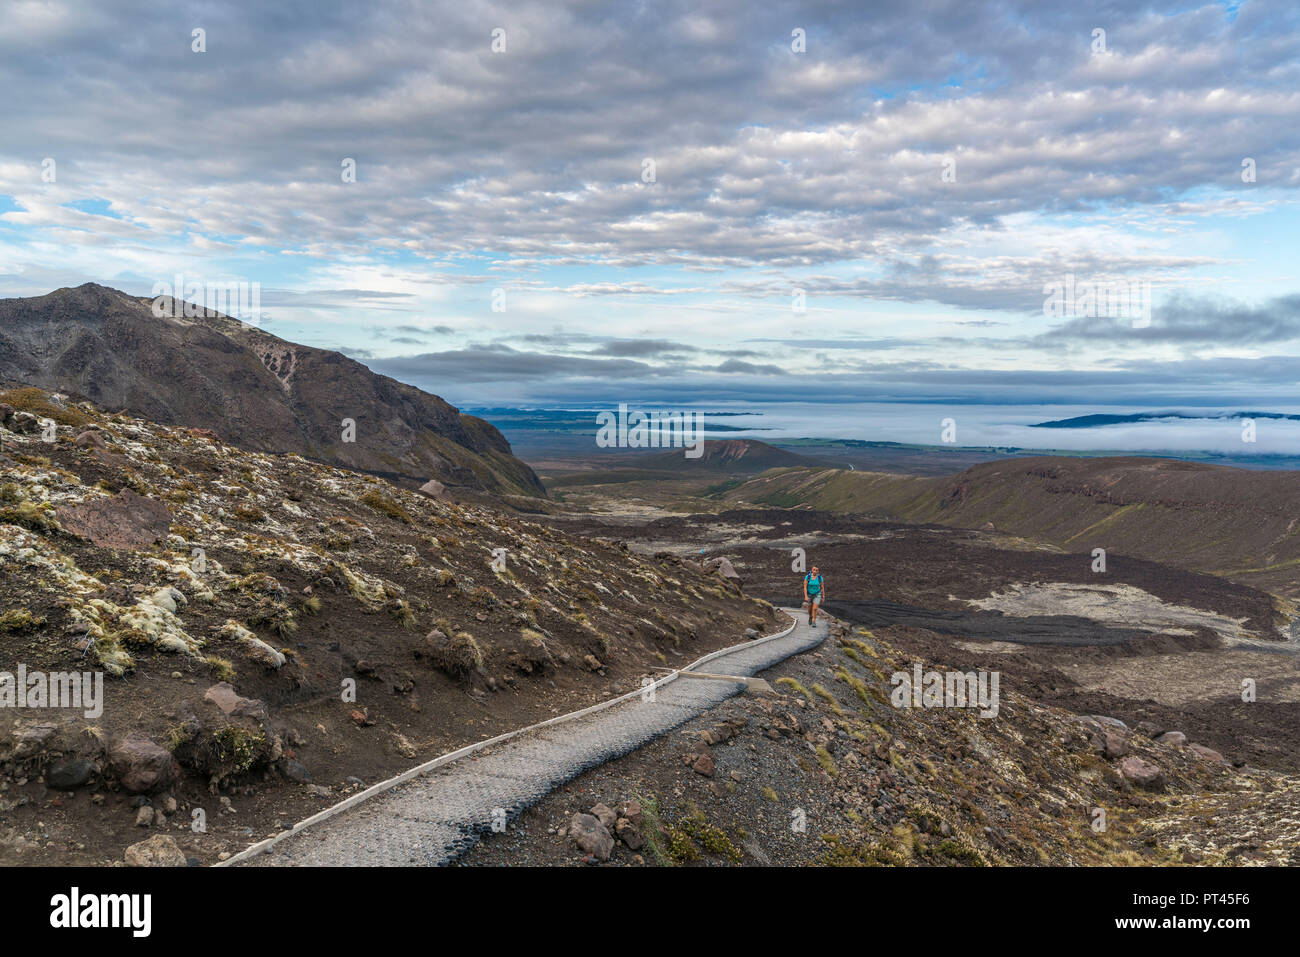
(39, 404)
(458, 655)
(222, 669)
(385, 506)
(30, 516)
(794, 686)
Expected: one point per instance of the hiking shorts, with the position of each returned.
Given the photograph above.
(815, 599)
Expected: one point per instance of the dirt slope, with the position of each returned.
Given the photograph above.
(273, 631)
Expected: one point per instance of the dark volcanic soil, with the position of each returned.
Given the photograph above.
(916, 580)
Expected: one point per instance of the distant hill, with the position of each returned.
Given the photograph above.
(253, 389)
(1099, 419)
(748, 456)
(1233, 522)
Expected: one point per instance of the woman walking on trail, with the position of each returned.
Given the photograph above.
(814, 590)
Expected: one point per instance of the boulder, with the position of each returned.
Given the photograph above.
(142, 765)
(1142, 773)
(1113, 744)
(1150, 729)
(159, 851)
(592, 836)
(435, 489)
(722, 566)
(229, 702)
(1175, 739)
(126, 520)
(90, 439)
(70, 773)
(1209, 754)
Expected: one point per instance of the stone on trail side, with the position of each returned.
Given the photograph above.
(591, 836)
(159, 851)
(605, 814)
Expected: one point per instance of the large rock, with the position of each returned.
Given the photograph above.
(143, 766)
(722, 566)
(159, 851)
(229, 702)
(70, 773)
(1174, 739)
(1113, 743)
(126, 520)
(435, 489)
(1142, 773)
(592, 836)
(1209, 754)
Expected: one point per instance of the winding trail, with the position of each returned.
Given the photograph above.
(432, 814)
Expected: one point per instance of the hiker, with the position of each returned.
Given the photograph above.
(814, 590)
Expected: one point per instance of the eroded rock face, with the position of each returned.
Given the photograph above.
(127, 520)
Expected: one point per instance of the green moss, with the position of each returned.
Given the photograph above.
(19, 619)
(711, 838)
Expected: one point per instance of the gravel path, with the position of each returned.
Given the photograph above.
(433, 818)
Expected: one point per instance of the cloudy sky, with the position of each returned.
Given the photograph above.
(633, 202)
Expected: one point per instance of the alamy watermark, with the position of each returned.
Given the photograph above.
(194, 300)
(950, 689)
(1120, 299)
(651, 430)
(53, 689)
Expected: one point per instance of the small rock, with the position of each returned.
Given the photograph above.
(605, 814)
(1175, 739)
(591, 836)
(144, 816)
(158, 851)
(629, 834)
(704, 764)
